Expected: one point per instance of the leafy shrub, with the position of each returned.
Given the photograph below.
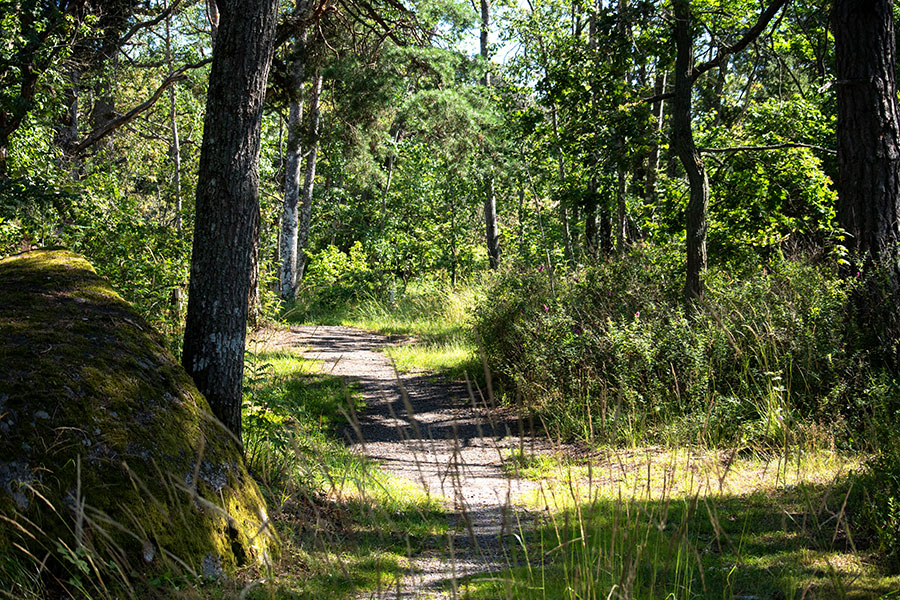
(335, 276)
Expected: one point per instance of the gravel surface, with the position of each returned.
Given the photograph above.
(437, 434)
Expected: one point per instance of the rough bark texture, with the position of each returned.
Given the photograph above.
(227, 205)
(868, 128)
(309, 177)
(686, 150)
(292, 160)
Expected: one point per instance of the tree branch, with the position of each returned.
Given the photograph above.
(770, 147)
(101, 132)
(751, 34)
(150, 23)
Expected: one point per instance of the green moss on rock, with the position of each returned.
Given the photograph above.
(105, 443)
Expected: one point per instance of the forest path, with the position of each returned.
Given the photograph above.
(440, 438)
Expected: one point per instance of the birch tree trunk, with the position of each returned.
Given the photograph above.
(309, 176)
(292, 160)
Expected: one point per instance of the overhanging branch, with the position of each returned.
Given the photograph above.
(101, 132)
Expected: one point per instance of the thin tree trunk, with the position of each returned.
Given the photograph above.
(868, 129)
(659, 87)
(491, 231)
(292, 160)
(177, 291)
(309, 176)
(686, 150)
(591, 242)
(228, 205)
(561, 164)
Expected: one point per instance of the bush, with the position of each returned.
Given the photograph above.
(610, 351)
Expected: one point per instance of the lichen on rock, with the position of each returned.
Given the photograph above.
(106, 446)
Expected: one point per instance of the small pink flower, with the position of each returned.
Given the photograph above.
(541, 269)
(637, 315)
(546, 309)
(857, 274)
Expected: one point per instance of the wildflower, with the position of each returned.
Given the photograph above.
(637, 315)
(546, 309)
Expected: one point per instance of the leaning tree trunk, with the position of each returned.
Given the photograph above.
(868, 128)
(292, 160)
(686, 150)
(309, 177)
(227, 205)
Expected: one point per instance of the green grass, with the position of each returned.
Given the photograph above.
(657, 523)
(432, 322)
(346, 525)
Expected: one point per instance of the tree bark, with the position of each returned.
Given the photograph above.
(292, 160)
(868, 128)
(227, 205)
(686, 149)
(309, 176)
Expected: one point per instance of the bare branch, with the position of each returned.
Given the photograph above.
(751, 34)
(101, 132)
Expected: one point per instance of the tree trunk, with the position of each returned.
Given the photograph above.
(868, 128)
(175, 150)
(491, 232)
(684, 147)
(292, 159)
(621, 212)
(659, 87)
(227, 205)
(309, 176)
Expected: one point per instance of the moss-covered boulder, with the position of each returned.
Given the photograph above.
(109, 458)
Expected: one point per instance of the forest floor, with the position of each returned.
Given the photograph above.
(446, 437)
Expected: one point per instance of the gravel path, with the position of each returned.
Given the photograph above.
(434, 433)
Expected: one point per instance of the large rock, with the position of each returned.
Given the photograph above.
(108, 452)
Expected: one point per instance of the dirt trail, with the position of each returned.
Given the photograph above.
(438, 437)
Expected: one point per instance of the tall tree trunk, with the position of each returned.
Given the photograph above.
(868, 129)
(175, 150)
(591, 241)
(686, 150)
(292, 160)
(491, 232)
(227, 205)
(561, 164)
(309, 177)
(659, 86)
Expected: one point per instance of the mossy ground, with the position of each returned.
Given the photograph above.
(110, 463)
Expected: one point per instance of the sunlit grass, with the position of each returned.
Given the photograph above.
(435, 322)
(662, 523)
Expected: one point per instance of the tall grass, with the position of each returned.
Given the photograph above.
(681, 524)
(432, 319)
(611, 353)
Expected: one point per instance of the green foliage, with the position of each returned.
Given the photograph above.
(609, 352)
(876, 503)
